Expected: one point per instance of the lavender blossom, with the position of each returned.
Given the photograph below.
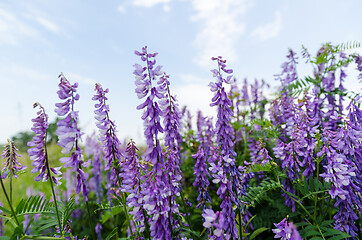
(110, 142)
(69, 134)
(289, 73)
(93, 149)
(38, 152)
(214, 221)
(131, 175)
(225, 172)
(286, 231)
(12, 166)
(155, 188)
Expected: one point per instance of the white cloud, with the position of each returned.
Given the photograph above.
(121, 9)
(269, 30)
(222, 27)
(12, 29)
(47, 24)
(195, 94)
(151, 3)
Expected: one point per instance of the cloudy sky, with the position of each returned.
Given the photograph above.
(94, 41)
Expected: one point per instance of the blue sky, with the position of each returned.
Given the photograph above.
(94, 41)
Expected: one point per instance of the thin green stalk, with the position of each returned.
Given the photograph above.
(186, 210)
(7, 198)
(52, 187)
(11, 181)
(90, 221)
(241, 227)
(316, 197)
(40, 237)
(359, 226)
(301, 205)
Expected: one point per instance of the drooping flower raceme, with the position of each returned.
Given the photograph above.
(110, 142)
(225, 172)
(12, 165)
(155, 188)
(286, 231)
(131, 175)
(93, 149)
(38, 152)
(69, 134)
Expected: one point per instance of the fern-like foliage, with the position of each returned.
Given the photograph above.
(257, 194)
(33, 205)
(324, 231)
(267, 167)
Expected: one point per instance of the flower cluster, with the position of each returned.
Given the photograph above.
(12, 165)
(38, 152)
(225, 172)
(156, 188)
(69, 133)
(110, 142)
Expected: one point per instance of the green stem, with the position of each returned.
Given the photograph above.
(41, 237)
(7, 198)
(301, 205)
(52, 187)
(90, 221)
(241, 227)
(186, 210)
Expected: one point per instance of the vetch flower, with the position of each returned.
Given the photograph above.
(38, 151)
(12, 165)
(156, 187)
(225, 172)
(286, 231)
(69, 134)
(110, 142)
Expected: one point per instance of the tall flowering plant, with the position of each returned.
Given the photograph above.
(225, 172)
(69, 133)
(156, 188)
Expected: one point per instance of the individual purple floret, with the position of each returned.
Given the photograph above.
(12, 165)
(38, 152)
(286, 231)
(69, 134)
(214, 221)
(110, 142)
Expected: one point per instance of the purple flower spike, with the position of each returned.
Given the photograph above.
(286, 231)
(12, 166)
(69, 134)
(38, 151)
(110, 142)
(225, 172)
(156, 189)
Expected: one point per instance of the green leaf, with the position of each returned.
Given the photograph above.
(257, 232)
(311, 233)
(112, 234)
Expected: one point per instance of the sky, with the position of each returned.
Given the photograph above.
(94, 42)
